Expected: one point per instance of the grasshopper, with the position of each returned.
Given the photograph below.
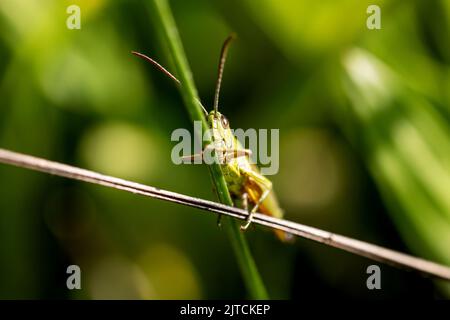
(248, 188)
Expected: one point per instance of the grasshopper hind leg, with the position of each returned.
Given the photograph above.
(266, 187)
(244, 204)
(253, 211)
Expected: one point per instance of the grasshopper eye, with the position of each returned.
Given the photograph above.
(224, 121)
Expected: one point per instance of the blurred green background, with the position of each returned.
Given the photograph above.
(364, 123)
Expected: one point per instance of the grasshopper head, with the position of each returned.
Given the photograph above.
(220, 129)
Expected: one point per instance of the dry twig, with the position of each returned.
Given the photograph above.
(357, 247)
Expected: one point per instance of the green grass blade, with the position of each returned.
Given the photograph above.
(165, 21)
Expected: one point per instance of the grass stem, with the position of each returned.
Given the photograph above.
(165, 21)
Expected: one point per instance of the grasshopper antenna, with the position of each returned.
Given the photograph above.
(165, 71)
(223, 58)
(157, 65)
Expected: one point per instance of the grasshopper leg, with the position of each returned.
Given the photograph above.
(192, 157)
(266, 186)
(253, 211)
(245, 207)
(228, 154)
(231, 154)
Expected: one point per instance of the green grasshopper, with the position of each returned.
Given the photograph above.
(248, 188)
